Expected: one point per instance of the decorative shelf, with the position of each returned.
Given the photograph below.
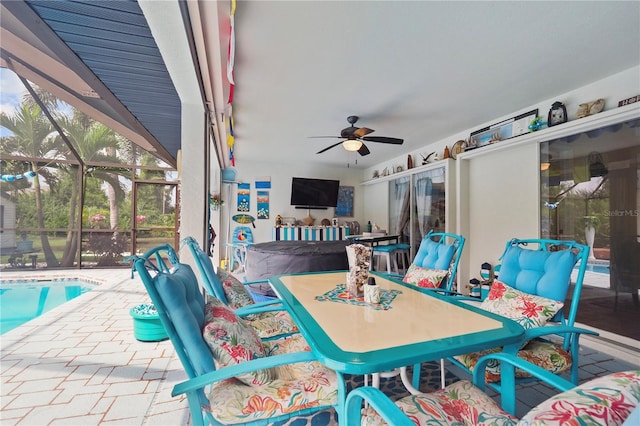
(430, 166)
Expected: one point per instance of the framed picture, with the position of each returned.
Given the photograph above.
(345, 201)
(506, 129)
(335, 222)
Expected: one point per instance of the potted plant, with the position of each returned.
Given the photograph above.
(215, 201)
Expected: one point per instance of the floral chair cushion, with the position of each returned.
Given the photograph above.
(424, 277)
(458, 404)
(551, 357)
(607, 400)
(236, 293)
(271, 324)
(529, 310)
(307, 384)
(233, 341)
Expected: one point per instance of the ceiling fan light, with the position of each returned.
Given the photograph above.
(352, 145)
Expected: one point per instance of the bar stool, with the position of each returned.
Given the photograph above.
(402, 250)
(389, 253)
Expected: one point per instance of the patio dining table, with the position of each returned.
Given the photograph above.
(408, 327)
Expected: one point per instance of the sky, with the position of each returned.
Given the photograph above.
(11, 92)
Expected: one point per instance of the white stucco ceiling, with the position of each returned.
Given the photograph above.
(417, 70)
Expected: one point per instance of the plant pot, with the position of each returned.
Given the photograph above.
(590, 235)
(146, 324)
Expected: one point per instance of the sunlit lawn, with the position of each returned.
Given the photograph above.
(58, 244)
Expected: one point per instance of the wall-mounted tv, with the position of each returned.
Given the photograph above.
(314, 193)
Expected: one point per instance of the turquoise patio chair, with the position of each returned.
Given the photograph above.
(435, 264)
(434, 268)
(535, 278)
(609, 400)
(269, 317)
(272, 380)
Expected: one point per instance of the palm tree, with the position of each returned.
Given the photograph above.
(31, 138)
(94, 142)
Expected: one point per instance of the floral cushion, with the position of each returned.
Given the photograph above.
(529, 310)
(236, 293)
(424, 277)
(295, 387)
(460, 403)
(551, 357)
(233, 341)
(271, 324)
(607, 400)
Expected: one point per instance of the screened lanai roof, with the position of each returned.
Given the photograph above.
(100, 57)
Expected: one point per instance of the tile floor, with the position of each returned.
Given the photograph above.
(80, 364)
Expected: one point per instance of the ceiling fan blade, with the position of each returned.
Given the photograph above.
(363, 150)
(325, 137)
(362, 131)
(329, 147)
(383, 139)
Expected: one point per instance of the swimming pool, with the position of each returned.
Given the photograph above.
(22, 301)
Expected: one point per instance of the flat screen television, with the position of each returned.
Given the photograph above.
(314, 193)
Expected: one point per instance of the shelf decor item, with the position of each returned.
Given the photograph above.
(590, 108)
(557, 114)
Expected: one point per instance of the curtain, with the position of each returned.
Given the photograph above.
(424, 197)
(399, 213)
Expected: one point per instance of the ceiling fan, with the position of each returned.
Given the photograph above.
(354, 138)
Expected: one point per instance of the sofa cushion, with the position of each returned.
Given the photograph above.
(545, 273)
(181, 296)
(424, 277)
(607, 400)
(434, 255)
(528, 310)
(211, 281)
(233, 341)
(295, 386)
(460, 403)
(236, 293)
(272, 324)
(552, 357)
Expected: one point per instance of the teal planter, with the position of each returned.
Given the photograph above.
(146, 324)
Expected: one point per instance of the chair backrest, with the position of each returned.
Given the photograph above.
(544, 267)
(441, 250)
(210, 280)
(176, 296)
(242, 235)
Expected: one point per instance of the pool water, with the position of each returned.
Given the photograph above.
(594, 267)
(23, 301)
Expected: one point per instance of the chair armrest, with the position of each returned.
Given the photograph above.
(508, 383)
(556, 329)
(379, 402)
(256, 282)
(260, 305)
(456, 294)
(246, 367)
(252, 309)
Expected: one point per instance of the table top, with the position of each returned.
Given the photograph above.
(364, 239)
(420, 326)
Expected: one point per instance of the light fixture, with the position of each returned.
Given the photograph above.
(545, 162)
(596, 165)
(352, 145)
